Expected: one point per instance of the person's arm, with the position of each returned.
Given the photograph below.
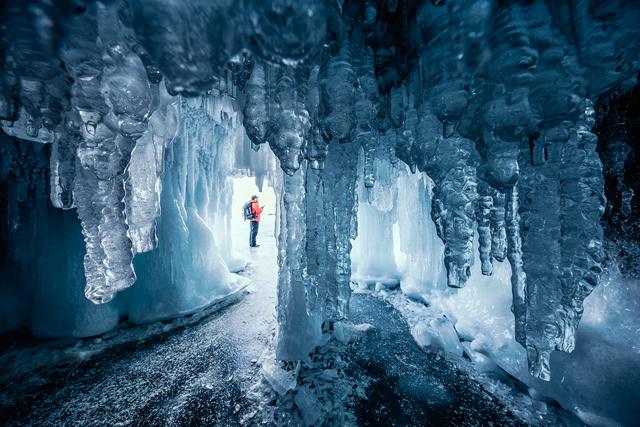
(258, 209)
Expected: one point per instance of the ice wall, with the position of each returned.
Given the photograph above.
(424, 267)
(187, 270)
(41, 269)
(372, 254)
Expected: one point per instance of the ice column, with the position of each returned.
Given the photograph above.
(299, 310)
(424, 267)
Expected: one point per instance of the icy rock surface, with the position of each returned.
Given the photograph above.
(492, 101)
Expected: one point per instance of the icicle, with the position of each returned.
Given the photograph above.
(447, 157)
(316, 147)
(514, 254)
(498, 231)
(290, 122)
(112, 96)
(145, 168)
(255, 110)
(405, 142)
(62, 165)
(485, 205)
(397, 105)
(582, 192)
(338, 96)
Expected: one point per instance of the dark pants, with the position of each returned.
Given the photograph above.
(254, 233)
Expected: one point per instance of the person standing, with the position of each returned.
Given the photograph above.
(256, 210)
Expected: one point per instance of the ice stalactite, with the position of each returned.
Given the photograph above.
(451, 159)
(289, 119)
(498, 230)
(553, 256)
(62, 168)
(483, 214)
(582, 192)
(255, 110)
(82, 58)
(338, 96)
(507, 119)
(316, 146)
(112, 96)
(541, 246)
(146, 166)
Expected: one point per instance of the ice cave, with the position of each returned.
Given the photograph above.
(320, 212)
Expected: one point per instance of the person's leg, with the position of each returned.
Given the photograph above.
(255, 236)
(253, 233)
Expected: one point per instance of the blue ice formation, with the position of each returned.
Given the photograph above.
(488, 105)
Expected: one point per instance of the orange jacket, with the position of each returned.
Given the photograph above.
(257, 210)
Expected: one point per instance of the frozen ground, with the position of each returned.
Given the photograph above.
(407, 386)
(195, 373)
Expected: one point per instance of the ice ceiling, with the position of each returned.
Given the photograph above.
(493, 100)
